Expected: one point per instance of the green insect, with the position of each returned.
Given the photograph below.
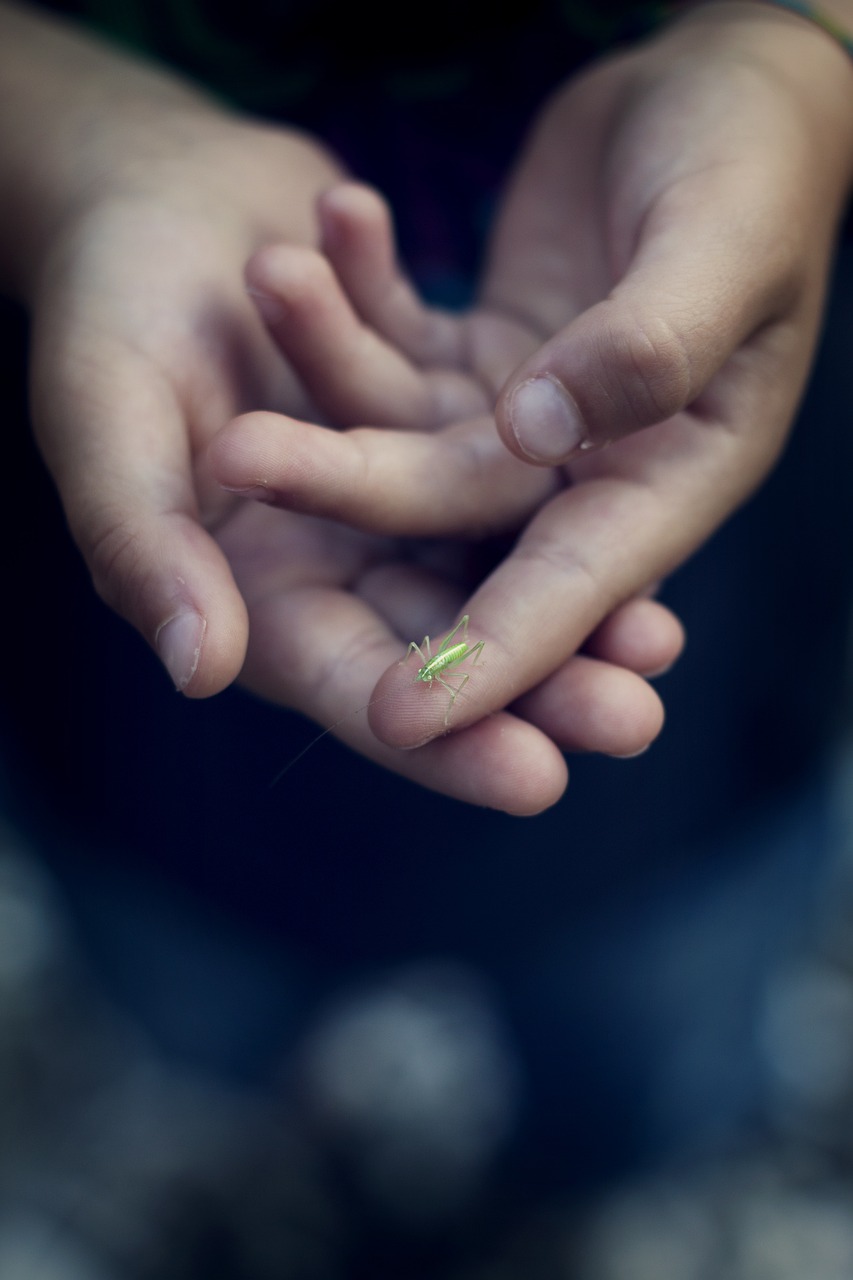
(449, 655)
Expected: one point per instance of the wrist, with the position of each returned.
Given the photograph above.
(82, 124)
(832, 20)
(71, 111)
(833, 17)
(792, 52)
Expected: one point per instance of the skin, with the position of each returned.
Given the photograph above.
(662, 256)
(134, 204)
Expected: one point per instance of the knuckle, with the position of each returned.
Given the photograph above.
(115, 556)
(653, 369)
(564, 563)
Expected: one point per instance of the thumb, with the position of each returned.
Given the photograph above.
(116, 444)
(690, 297)
(163, 572)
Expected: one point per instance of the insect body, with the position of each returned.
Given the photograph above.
(436, 665)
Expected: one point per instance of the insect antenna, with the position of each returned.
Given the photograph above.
(278, 777)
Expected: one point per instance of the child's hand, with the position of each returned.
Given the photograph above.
(132, 205)
(131, 202)
(330, 608)
(672, 222)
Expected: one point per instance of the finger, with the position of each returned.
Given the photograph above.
(413, 600)
(352, 373)
(457, 480)
(641, 635)
(115, 440)
(358, 239)
(702, 281)
(331, 648)
(585, 705)
(588, 705)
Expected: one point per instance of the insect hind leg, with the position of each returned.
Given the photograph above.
(462, 625)
(416, 648)
(477, 649)
(464, 677)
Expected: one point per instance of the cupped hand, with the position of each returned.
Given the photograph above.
(144, 344)
(144, 341)
(135, 204)
(667, 236)
(331, 607)
(655, 284)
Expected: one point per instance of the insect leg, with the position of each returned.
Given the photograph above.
(424, 657)
(462, 625)
(454, 693)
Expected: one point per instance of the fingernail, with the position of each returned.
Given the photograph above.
(256, 492)
(630, 755)
(272, 309)
(179, 642)
(545, 421)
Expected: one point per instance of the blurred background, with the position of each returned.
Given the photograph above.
(364, 1154)
(347, 1029)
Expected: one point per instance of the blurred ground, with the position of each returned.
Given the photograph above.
(116, 1165)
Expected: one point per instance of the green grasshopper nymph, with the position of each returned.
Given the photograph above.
(449, 655)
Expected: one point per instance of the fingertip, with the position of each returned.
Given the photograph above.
(399, 714)
(357, 235)
(260, 280)
(167, 577)
(629, 719)
(285, 277)
(540, 789)
(222, 649)
(617, 368)
(541, 423)
(642, 635)
(645, 731)
(594, 706)
(232, 455)
(178, 642)
(274, 459)
(348, 202)
(500, 763)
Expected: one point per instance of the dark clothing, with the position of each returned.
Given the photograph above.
(577, 916)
